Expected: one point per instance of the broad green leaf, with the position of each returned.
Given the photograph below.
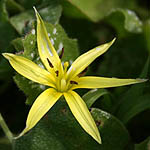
(18, 44)
(70, 10)
(122, 60)
(27, 48)
(95, 10)
(91, 96)
(79, 29)
(51, 13)
(134, 100)
(30, 89)
(7, 33)
(142, 103)
(115, 12)
(14, 7)
(22, 20)
(60, 39)
(124, 19)
(59, 127)
(143, 145)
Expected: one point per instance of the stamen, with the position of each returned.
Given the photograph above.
(83, 72)
(66, 64)
(26, 23)
(21, 52)
(73, 82)
(50, 64)
(57, 73)
(62, 53)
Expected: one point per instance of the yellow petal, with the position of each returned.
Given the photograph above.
(45, 47)
(87, 58)
(82, 114)
(102, 82)
(40, 107)
(29, 69)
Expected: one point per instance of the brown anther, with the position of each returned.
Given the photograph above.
(64, 110)
(62, 53)
(50, 64)
(26, 23)
(57, 73)
(46, 117)
(98, 122)
(73, 82)
(19, 53)
(83, 72)
(90, 109)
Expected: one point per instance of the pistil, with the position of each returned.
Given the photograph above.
(63, 85)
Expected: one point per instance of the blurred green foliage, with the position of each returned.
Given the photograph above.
(121, 114)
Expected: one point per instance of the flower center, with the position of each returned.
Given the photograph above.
(63, 85)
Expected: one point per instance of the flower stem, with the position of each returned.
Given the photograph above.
(6, 129)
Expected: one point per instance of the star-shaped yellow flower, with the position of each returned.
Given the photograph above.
(61, 81)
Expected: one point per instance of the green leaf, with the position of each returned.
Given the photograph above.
(70, 10)
(7, 31)
(124, 19)
(141, 104)
(143, 145)
(22, 21)
(30, 89)
(59, 130)
(95, 10)
(134, 100)
(14, 7)
(51, 13)
(91, 96)
(18, 44)
(114, 12)
(122, 59)
(60, 39)
(147, 33)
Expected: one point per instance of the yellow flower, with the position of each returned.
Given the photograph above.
(61, 81)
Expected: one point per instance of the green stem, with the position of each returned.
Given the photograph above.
(6, 129)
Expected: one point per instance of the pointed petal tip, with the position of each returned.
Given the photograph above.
(22, 133)
(98, 138)
(4, 54)
(36, 13)
(114, 39)
(7, 55)
(141, 80)
(17, 137)
(111, 42)
(82, 114)
(99, 141)
(35, 9)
